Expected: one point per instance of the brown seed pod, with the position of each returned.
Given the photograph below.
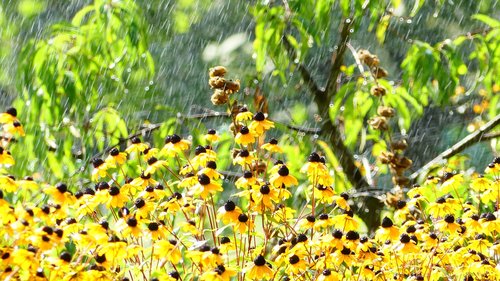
(386, 111)
(399, 144)
(232, 86)
(380, 72)
(400, 180)
(217, 82)
(378, 123)
(404, 162)
(219, 97)
(259, 167)
(386, 157)
(378, 91)
(217, 71)
(369, 59)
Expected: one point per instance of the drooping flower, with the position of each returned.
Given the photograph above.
(260, 124)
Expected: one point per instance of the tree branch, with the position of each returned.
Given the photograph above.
(329, 130)
(461, 145)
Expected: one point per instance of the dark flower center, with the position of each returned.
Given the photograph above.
(283, 171)
(132, 222)
(294, 259)
(243, 218)
(229, 206)
(114, 152)
(260, 261)
(265, 189)
(203, 179)
(387, 222)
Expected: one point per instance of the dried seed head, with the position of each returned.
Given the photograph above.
(378, 91)
(217, 71)
(386, 111)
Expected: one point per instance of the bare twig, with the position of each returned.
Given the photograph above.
(461, 145)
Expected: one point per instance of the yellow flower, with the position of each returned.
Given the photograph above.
(258, 269)
(387, 231)
(329, 275)
(115, 157)
(174, 145)
(116, 199)
(244, 137)
(6, 158)
(406, 245)
(260, 124)
(8, 183)
(344, 256)
(263, 197)
(243, 224)
(480, 184)
(211, 136)
(100, 169)
(296, 264)
(129, 227)
(205, 186)
(9, 116)
(326, 195)
(283, 178)
(211, 171)
(60, 194)
(448, 225)
(229, 213)
(247, 181)
(153, 193)
(244, 115)
(14, 128)
(220, 273)
(243, 158)
(154, 164)
(272, 146)
(202, 156)
(136, 146)
(144, 180)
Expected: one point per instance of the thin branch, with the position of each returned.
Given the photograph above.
(461, 145)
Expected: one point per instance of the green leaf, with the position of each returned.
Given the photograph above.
(382, 28)
(487, 20)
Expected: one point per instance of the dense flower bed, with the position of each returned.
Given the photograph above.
(163, 214)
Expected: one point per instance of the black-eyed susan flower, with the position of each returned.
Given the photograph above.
(6, 158)
(329, 275)
(387, 231)
(174, 145)
(205, 187)
(490, 223)
(325, 194)
(144, 180)
(243, 158)
(220, 273)
(202, 156)
(258, 269)
(211, 136)
(60, 194)
(296, 264)
(9, 116)
(342, 201)
(154, 193)
(247, 181)
(283, 178)
(129, 226)
(229, 213)
(283, 213)
(14, 128)
(116, 199)
(324, 221)
(115, 157)
(406, 245)
(244, 136)
(226, 245)
(260, 124)
(316, 170)
(8, 183)
(306, 222)
(243, 115)
(264, 197)
(448, 224)
(136, 146)
(211, 171)
(190, 227)
(243, 224)
(100, 169)
(154, 164)
(345, 256)
(272, 146)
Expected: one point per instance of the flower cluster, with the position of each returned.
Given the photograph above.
(165, 213)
